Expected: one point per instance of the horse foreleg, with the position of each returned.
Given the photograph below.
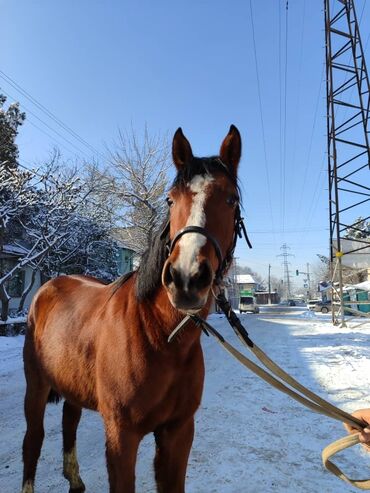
(71, 418)
(173, 444)
(121, 452)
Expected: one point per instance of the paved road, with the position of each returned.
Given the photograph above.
(273, 310)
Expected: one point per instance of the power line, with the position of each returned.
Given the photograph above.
(285, 111)
(261, 116)
(280, 117)
(305, 174)
(297, 117)
(28, 111)
(50, 114)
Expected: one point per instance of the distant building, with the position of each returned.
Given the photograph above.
(262, 297)
(128, 259)
(245, 282)
(125, 260)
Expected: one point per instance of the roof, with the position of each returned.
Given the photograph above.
(245, 279)
(365, 286)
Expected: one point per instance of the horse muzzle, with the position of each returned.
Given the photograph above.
(188, 292)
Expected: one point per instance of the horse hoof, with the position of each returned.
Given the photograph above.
(80, 489)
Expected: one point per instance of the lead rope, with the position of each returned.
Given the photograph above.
(311, 401)
(306, 397)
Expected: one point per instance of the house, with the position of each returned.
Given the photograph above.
(22, 278)
(128, 258)
(245, 282)
(358, 292)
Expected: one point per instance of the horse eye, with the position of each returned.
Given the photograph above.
(232, 200)
(169, 201)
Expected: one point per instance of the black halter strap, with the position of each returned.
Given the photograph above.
(203, 232)
(223, 262)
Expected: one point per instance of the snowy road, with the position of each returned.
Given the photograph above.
(249, 438)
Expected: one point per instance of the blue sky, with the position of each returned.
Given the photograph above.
(103, 65)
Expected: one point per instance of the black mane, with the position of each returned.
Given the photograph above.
(150, 270)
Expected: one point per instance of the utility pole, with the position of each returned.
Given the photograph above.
(286, 264)
(269, 297)
(308, 280)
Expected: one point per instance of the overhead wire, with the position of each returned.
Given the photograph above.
(297, 117)
(314, 202)
(308, 160)
(28, 111)
(285, 113)
(261, 116)
(47, 112)
(280, 115)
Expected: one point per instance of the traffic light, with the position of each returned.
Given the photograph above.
(297, 272)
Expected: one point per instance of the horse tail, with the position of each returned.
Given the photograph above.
(54, 397)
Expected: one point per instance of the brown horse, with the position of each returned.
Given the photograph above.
(104, 347)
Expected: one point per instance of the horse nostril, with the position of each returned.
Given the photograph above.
(171, 275)
(203, 278)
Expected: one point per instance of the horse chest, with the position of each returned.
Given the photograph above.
(155, 389)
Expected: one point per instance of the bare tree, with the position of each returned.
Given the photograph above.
(135, 186)
(277, 285)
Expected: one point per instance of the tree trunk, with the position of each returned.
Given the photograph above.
(4, 298)
(27, 290)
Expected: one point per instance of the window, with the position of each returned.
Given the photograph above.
(248, 300)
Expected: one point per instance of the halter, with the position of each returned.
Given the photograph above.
(223, 262)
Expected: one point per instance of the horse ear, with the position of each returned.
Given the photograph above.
(181, 149)
(231, 149)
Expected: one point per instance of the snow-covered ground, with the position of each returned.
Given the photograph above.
(249, 438)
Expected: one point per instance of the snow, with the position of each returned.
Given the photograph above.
(14, 320)
(362, 285)
(249, 438)
(245, 279)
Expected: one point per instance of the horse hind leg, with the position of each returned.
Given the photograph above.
(34, 409)
(71, 418)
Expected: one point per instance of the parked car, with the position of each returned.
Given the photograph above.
(322, 306)
(312, 303)
(292, 303)
(248, 304)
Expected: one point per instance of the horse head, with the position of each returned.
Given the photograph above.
(203, 212)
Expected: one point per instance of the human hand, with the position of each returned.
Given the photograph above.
(364, 415)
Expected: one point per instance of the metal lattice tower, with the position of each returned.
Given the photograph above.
(287, 273)
(348, 126)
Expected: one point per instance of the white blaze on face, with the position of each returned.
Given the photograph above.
(191, 243)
